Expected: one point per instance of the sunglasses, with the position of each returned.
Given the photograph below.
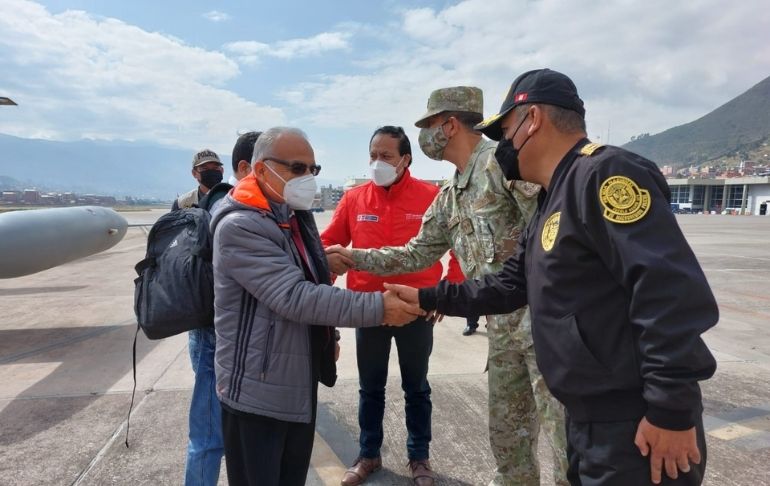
(297, 168)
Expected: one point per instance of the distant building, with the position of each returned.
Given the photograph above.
(49, 199)
(667, 170)
(357, 181)
(330, 196)
(11, 197)
(69, 198)
(31, 196)
(739, 195)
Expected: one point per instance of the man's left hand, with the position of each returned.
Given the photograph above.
(672, 449)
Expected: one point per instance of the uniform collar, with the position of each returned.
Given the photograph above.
(461, 180)
(562, 167)
(568, 159)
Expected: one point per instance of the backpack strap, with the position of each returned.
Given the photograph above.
(133, 393)
(144, 265)
(215, 194)
(205, 253)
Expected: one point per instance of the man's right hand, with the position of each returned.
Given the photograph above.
(672, 450)
(398, 312)
(340, 259)
(412, 296)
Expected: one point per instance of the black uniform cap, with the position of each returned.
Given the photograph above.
(538, 86)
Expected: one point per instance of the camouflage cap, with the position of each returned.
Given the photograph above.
(205, 156)
(459, 98)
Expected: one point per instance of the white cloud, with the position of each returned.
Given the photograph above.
(75, 74)
(639, 66)
(249, 52)
(216, 16)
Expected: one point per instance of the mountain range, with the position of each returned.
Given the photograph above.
(113, 168)
(735, 130)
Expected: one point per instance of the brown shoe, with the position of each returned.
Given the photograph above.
(360, 470)
(422, 474)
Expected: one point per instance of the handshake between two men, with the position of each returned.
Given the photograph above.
(402, 304)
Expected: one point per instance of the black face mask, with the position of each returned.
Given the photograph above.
(211, 177)
(508, 156)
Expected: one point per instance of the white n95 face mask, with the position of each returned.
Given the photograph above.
(298, 192)
(382, 173)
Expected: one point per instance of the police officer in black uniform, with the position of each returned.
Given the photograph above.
(618, 300)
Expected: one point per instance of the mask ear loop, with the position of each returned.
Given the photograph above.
(278, 176)
(400, 161)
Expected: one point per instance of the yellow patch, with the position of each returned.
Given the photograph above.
(624, 202)
(590, 148)
(490, 120)
(550, 230)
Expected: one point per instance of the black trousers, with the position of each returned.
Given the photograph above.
(414, 343)
(604, 454)
(263, 451)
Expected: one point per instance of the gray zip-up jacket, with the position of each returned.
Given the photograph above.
(265, 308)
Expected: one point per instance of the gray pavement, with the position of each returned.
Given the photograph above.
(65, 378)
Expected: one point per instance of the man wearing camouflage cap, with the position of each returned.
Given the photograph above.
(618, 299)
(479, 215)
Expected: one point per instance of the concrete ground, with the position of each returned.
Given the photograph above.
(66, 379)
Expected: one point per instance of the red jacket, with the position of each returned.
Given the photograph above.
(372, 217)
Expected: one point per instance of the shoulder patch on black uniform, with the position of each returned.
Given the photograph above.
(550, 230)
(590, 148)
(623, 200)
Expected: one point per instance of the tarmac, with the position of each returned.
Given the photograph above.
(66, 378)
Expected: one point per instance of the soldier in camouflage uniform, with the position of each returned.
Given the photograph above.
(479, 215)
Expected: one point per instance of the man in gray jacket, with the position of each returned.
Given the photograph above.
(274, 314)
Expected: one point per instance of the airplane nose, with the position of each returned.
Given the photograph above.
(40, 239)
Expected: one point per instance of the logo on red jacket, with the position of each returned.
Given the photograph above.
(372, 218)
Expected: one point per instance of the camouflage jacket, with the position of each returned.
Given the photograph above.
(478, 214)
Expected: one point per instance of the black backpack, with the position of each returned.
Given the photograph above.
(174, 291)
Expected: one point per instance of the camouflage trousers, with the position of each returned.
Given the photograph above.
(519, 404)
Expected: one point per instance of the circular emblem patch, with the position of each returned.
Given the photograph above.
(550, 230)
(624, 202)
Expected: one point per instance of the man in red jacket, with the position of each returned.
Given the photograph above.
(388, 212)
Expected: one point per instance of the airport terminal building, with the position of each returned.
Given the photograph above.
(736, 195)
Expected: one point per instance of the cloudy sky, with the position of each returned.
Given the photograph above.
(189, 74)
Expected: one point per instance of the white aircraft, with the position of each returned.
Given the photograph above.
(36, 240)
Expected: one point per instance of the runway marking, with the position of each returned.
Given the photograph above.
(707, 269)
(722, 255)
(740, 310)
(325, 462)
(732, 432)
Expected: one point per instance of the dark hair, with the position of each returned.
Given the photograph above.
(404, 147)
(468, 119)
(563, 119)
(244, 148)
